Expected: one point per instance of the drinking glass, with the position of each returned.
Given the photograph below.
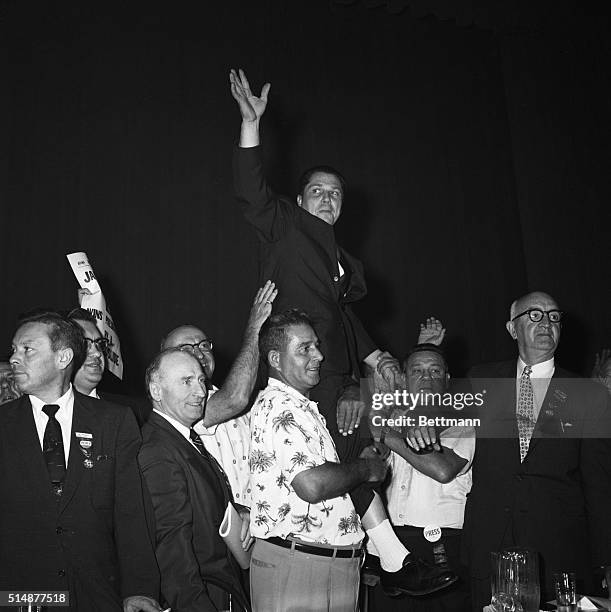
(522, 575)
(503, 583)
(566, 595)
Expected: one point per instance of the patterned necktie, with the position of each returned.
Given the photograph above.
(202, 449)
(197, 441)
(525, 411)
(53, 449)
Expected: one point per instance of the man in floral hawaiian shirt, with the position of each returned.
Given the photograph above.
(308, 545)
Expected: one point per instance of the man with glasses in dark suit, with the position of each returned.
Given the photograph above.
(541, 473)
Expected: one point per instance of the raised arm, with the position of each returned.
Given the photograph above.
(270, 214)
(251, 107)
(233, 397)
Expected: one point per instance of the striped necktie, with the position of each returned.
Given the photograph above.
(197, 441)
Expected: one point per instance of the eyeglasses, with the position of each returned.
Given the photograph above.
(204, 345)
(101, 344)
(536, 315)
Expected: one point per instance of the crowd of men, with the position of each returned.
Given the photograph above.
(117, 501)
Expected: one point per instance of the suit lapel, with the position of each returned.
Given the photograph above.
(162, 423)
(551, 412)
(356, 288)
(83, 421)
(22, 430)
(158, 421)
(507, 372)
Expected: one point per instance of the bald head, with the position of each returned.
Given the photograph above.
(518, 305)
(189, 339)
(537, 341)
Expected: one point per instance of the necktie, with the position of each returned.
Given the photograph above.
(53, 449)
(202, 449)
(197, 441)
(525, 411)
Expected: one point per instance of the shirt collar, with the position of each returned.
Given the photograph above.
(94, 393)
(278, 384)
(545, 369)
(63, 402)
(185, 431)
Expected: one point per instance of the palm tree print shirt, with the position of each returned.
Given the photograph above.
(289, 435)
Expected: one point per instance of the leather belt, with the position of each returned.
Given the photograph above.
(311, 549)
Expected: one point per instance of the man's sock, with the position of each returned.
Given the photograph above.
(391, 552)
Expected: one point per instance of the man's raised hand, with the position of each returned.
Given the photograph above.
(262, 305)
(251, 106)
(431, 332)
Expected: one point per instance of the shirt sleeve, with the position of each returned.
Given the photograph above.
(297, 440)
(462, 441)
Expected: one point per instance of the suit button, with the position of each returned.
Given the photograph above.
(61, 573)
(336, 278)
(519, 477)
(59, 530)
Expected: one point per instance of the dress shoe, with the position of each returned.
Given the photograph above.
(416, 577)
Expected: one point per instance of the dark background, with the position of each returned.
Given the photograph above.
(474, 135)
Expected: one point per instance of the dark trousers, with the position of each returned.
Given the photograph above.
(453, 599)
(326, 394)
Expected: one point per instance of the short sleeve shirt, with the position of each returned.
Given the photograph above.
(419, 500)
(229, 444)
(288, 436)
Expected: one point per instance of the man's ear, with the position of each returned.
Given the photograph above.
(64, 357)
(273, 359)
(299, 200)
(511, 329)
(155, 391)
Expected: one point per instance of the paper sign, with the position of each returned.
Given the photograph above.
(96, 305)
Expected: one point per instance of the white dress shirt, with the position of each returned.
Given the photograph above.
(418, 500)
(540, 375)
(63, 416)
(182, 429)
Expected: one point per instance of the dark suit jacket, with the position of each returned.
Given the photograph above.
(189, 498)
(94, 540)
(299, 254)
(140, 406)
(558, 500)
